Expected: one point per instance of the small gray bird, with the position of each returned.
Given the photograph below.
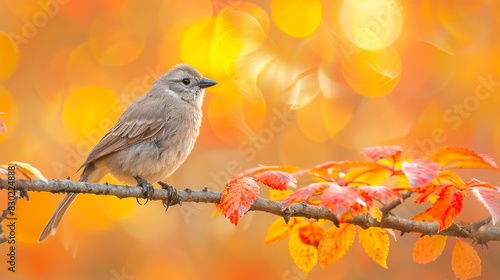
(151, 139)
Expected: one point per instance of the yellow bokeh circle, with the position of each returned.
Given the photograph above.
(371, 24)
(9, 56)
(89, 112)
(297, 18)
(372, 73)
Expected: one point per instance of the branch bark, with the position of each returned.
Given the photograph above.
(477, 231)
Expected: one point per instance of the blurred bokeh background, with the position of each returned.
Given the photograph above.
(300, 82)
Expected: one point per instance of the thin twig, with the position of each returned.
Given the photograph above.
(482, 235)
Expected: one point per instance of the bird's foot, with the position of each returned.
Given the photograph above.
(173, 195)
(147, 189)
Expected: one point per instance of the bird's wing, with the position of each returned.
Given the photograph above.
(135, 125)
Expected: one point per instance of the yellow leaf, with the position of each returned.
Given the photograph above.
(279, 230)
(373, 175)
(336, 243)
(465, 262)
(375, 213)
(279, 195)
(27, 170)
(375, 241)
(305, 256)
(428, 248)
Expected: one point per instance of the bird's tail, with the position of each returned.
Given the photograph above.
(50, 227)
(89, 174)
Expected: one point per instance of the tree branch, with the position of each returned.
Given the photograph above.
(475, 231)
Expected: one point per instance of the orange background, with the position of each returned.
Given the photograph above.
(300, 82)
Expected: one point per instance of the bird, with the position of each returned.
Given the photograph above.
(150, 140)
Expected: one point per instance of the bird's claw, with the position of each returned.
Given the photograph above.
(147, 189)
(173, 196)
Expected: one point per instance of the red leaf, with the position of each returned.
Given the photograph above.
(264, 168)
(381, 193)
(420, 172)
(237, 198)
(304, 193)
(340, 200)
(277, 180)
(381, 152)
(490, 197)
(458, 157)
(446, 208)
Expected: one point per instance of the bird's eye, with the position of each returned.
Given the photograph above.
(186, 81)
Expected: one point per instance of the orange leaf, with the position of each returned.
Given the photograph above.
(277, 180)
(458, 157)
(26, 170)
(280, 230)
(311, 233)
(465, 262)
(447, 207)
(490, 197)
(381, 152)
(428, 248)
(336, 243)
(237, 198)
(420, 172)
(304, 255)
(305, 193)
(375, 241)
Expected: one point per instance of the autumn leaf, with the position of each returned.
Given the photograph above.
(490, 197)
(458, 157)
(311, 233)
(27, 170)
(375, 213)
(237, 198)
(364, 175)
(264, 168)
(375, 242)
(381, 193)
(465, 262)
(340, 200)
(382, 152)
(279, 195)
(336, 243)
(305, 193)
(304, 255)
(428, 248)
(446, 208)
(280, 230)
(329, 171)
(277, 180)
(420, 172)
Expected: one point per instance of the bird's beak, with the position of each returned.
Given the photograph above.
(204, 83)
